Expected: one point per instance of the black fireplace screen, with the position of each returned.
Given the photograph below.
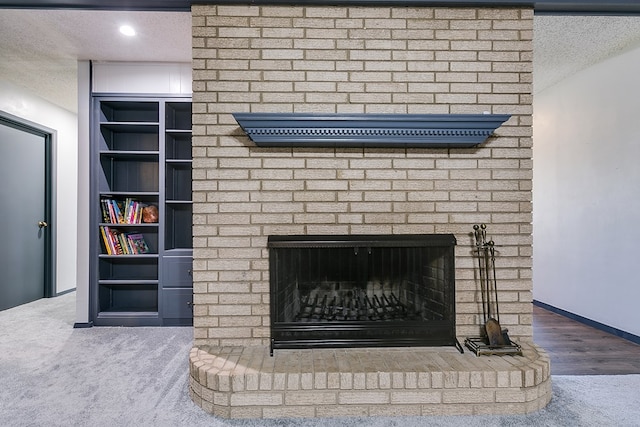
(356, 291)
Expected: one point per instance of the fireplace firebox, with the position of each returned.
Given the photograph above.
(362, 291)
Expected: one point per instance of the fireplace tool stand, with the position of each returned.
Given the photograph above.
(495, 339)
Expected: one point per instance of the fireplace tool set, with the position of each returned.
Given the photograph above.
(495, 339)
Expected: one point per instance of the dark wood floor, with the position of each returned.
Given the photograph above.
(578, 349)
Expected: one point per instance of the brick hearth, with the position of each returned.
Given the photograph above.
(244, 382)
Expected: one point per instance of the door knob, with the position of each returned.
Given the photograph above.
(42, 224)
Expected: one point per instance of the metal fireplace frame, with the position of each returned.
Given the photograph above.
(363, 333)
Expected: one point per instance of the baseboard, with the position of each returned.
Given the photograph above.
(77, 325)
(600, 326)
(82, 325)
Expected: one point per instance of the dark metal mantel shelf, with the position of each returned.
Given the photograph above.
(369, 130)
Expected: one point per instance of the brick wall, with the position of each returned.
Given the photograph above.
(356, 60)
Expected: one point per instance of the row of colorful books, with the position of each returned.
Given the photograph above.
(126, 211)
(119, 243)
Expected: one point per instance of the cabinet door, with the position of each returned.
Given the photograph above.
(177, 307)
(177, 291)
(177, 272)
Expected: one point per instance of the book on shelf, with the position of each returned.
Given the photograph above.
(117, 242)
(138, 244)
(128, 211)
(107, 242)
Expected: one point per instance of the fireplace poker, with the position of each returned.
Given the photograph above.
(487, 268)
(477, 234)
(492, 252)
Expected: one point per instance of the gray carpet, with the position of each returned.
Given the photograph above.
(54, 375)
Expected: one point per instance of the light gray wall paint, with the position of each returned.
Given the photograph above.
(586, 192)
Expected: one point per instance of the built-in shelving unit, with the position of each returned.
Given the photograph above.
(141, 158)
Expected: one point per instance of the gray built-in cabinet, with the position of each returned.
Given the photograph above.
(141, 156)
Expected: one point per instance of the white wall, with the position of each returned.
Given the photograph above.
(586, 193)
(21, 103)
(84, 160)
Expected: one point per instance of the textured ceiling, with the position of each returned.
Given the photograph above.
(564, 45)
(39, 48)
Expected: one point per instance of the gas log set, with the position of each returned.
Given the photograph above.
(354, 305)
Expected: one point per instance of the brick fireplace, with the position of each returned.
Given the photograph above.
(391, 60)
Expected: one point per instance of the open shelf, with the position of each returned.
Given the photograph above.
(178, 116)
(129, 137)
(178, 145)
(178, 181)
(119, 268)
(129, 111)
(128, 297)
(178, 222)
(129, 173)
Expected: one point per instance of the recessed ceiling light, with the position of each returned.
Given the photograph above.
(127, 30)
